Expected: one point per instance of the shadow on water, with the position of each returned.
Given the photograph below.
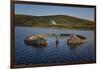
(75, 45)
(74, 48)
(36, 46)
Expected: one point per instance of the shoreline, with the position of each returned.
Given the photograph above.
(55, 28)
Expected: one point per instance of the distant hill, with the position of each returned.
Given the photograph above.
(27, 20)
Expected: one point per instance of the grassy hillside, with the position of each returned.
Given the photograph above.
(62, 20)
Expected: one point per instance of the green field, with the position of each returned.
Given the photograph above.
(62, 21)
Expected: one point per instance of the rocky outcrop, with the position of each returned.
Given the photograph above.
(74, 39)
(37, 40)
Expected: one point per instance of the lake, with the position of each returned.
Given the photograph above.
(53, 53)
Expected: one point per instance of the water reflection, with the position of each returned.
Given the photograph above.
(35, 45)
(57, 43)
(74, 45)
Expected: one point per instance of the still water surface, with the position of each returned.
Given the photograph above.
(61, 53)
